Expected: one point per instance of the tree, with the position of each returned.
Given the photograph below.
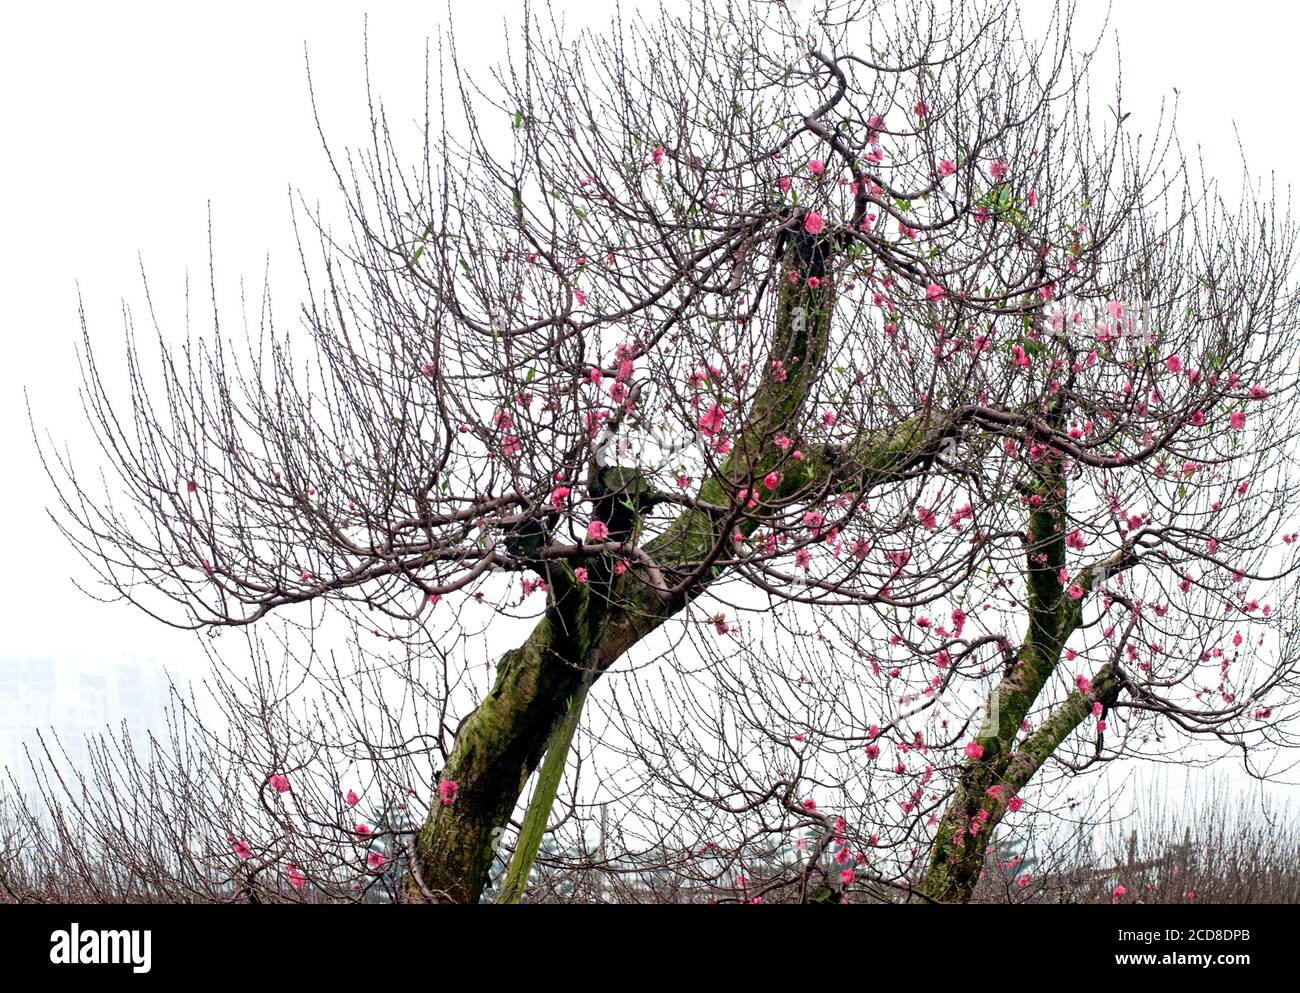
(860, 317)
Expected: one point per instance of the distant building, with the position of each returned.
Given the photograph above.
(73, 699)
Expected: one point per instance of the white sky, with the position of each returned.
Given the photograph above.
(120, 122)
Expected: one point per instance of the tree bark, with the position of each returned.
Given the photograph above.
(966, 828)
(500, 743)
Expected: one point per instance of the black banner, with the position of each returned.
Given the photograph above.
(141, 944)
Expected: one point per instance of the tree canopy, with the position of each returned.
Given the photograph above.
(865, 420)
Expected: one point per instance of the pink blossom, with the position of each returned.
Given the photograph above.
(1174, 364)
(580, 574)
(242, 850)
(934, 291)
(922, 108)
(1014, 804)
(658, 154)
(946, 168)
(711, 420)
(352, 798)
(974, 750)
(559, 495)
(813, 222)
(280, 783)
(1237, 419)
(816, 166)
(810, 805)
(847, 876)
(579, 296)
(597, 531)
(447, 790)
(772, 480)
(296, 879)
(374, 860)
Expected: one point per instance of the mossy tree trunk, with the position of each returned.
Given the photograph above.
(976, 807)
(501, 742)
(588, 626)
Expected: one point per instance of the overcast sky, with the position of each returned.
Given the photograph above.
(121, 122)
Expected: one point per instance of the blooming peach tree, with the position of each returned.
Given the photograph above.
(862, 423)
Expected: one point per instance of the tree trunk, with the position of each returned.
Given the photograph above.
(500, 744)
(966, 828)
(539, 807)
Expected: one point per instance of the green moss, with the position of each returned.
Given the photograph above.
(586, 628)
(954, 865)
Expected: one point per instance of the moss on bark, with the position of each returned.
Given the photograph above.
(501, 742)
(499, 745)
(966, 828)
